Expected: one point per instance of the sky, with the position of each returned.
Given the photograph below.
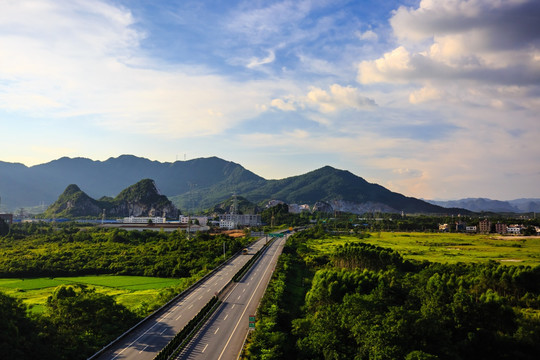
(436, 99)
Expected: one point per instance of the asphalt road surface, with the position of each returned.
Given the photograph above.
(223, 335)
(146, 341)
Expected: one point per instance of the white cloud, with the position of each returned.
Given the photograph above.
(256, 62)
(368, 35)
(426, 93)
(336, 99)
(477, 44)
(70, 59)
(283, 105)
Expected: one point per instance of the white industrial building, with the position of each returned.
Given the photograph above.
(202, 220)
(144, 220)
(232, 221)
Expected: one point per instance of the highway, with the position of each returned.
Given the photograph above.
(152, 335)
(222, 336)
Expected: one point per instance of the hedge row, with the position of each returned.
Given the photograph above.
(175, 345)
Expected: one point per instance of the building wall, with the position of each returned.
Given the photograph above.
(242, 219)
(143, 220)
(484, 226)
(8, 218)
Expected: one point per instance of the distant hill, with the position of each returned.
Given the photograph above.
(140, 199)
(200, 184)
(488, 205)
(341, 189)
(22, 186)
(243, 206)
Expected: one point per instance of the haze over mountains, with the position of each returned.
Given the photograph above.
(483, 204)
(199, 184)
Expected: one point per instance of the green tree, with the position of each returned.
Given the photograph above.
(82, 320)
(18, 333)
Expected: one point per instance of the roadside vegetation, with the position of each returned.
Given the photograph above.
(355, 297)
(67, 290)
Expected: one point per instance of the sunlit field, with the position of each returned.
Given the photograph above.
(130, 291)
(449, 248)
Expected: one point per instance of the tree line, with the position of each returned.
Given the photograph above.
(77, 320)
(367, 302)
(38, 250)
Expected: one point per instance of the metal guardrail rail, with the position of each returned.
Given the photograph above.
(165, 307)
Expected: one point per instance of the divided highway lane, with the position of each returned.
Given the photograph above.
(152, 335)
(222, 337)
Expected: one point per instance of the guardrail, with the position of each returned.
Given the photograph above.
(165, 307)
(181, 339)
(176, 344)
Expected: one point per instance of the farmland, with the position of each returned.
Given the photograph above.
(446, 247)
(134, 292)
(354, 297)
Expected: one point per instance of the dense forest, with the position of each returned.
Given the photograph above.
(367, 302)
(37, 250)
(77, 320)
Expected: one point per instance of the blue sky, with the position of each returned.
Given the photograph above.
(432, 99)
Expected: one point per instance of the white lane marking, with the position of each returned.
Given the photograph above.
(215, 332)
(143, 334)
(244, 290)
(239, 297)
(208, 290)
(161, 333)
(181, 303)
(200, 297)
(226, 316)
(143, 349)
(179, 316)
(204, 348)
(245, 309)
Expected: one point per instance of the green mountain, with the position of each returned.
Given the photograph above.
(340, 189)
(243, 206)
(22, 186)
(73, 203)
(196, 185)
(140, 199)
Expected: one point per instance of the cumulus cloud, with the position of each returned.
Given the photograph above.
(368, 35)
(475, 42)
(336, 98)
(426, 93)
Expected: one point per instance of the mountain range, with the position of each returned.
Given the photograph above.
(200, 184)
(482, 204)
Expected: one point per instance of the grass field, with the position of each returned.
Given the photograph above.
(449, 248)
(130, 291)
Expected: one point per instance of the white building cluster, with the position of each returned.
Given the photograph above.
(233, 221)
(144, 220)
(202, 220)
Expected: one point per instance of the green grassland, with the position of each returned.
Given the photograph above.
(447, 247)
(131, 291)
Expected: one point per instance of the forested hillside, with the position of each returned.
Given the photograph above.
(366, 302)
(140, 199)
